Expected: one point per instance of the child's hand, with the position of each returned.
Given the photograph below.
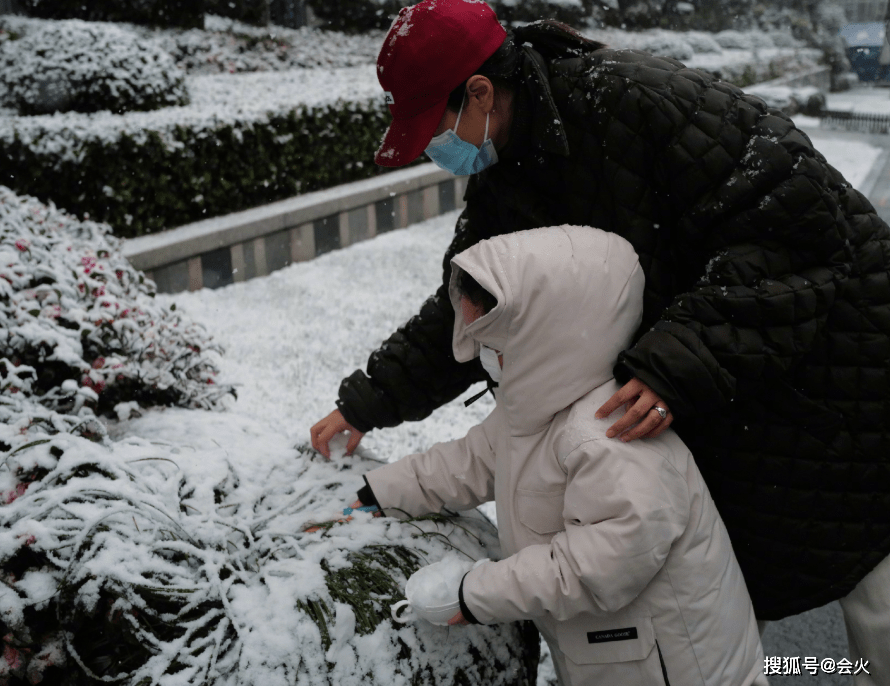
(357, 505)
(458, 620)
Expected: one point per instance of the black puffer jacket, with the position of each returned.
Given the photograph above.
(767, 306)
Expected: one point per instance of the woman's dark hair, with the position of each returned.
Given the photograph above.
(502, 69)
(468, 287)
(551, 38)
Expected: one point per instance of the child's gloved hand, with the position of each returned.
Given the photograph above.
(347, 512)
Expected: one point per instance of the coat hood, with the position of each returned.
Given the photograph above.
(569, 300)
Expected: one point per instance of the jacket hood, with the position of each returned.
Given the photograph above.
(569, 300)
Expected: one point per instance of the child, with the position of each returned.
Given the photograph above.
(615, 550)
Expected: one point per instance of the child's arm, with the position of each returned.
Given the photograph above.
(456, 474)
(624, 507)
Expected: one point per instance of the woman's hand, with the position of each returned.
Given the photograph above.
(458, 620)
(330, 426)
(642, 419)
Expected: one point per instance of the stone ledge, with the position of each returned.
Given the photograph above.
(221, 250)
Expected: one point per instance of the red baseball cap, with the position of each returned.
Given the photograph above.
(431, 49)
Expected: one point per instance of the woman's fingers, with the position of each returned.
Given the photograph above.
(641, 418)
(323, 431)
(355, 438)
(661, 427)
(638, 412)
(625, 394)
(648, 427)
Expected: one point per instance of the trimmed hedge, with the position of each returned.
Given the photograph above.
(187, 14)
(87, 67)
(145, 177)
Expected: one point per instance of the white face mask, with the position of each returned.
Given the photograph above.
(490, 363)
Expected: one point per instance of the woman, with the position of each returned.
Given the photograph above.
(766, 325)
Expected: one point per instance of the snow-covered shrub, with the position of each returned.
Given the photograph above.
(228, 46)
(744, 74)
(88, 67)
(784, 39)
(246, 140)
(760, 39)
(178, 565)
(79, 326)
(669, 45)
(702, 42)
(734, 40)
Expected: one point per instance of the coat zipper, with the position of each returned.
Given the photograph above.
(664, 671)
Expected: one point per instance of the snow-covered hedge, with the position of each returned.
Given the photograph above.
(87, 67)
(702, 42)
(141, 561)
(669, 46)
(744, 40)
(746, 73)
(246, 140)
(735, 40)
(80, 331)
(228, 46)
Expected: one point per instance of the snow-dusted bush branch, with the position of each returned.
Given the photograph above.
(246, 140)
(129, 568)
(87, 67)
(79, 326)
(229, 46)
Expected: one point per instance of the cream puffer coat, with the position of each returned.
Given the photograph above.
(615, 550)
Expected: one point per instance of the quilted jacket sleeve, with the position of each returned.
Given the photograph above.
(625, 506)
(759, 225)
(414, 371)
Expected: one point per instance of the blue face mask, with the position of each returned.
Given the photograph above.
(459, 157)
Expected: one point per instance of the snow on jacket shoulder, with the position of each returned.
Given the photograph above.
(615, 550)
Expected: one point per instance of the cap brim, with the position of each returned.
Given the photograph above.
(406, 139)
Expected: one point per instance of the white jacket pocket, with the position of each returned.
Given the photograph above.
(541, 511)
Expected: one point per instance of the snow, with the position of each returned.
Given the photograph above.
(291, 337)
(88, 66)
(216, 101)
(862, 100)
